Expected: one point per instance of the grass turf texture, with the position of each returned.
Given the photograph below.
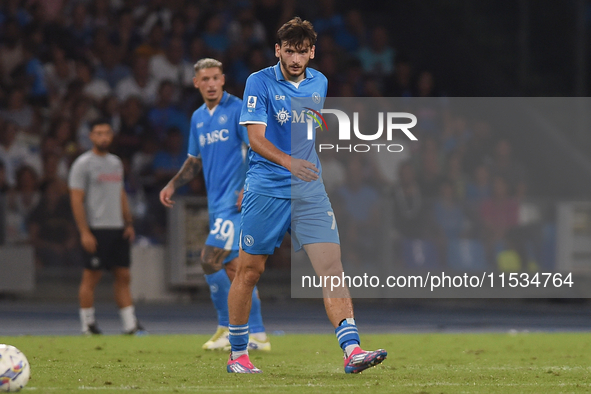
(421, 363)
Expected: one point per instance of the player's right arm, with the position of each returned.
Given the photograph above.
(300, 168)
(87, 240)
(188, 171)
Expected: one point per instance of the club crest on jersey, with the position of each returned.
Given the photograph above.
(282, 116)
(316, 97)
(223, 119)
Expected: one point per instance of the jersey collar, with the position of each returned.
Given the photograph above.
(279, 75)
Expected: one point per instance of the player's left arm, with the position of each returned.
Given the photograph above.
(300, 168)
(128, 230)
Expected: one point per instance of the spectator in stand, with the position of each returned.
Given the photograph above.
(172, 66)
(478, 145)
(426, 85)
(504, 165)
(215, 37)
(167, 161)
(99, 45)
(95, 88)
(20, 203)
(134, 128)
(165, 115)
(245, 30)
(4, 187)
(139, 84)
(329, 22)
(400, 84)
(409, 205)
(53, 170)
(359, 202)
(59, 73)
(273, 14)
(329, 67)
(51, 228)
(500, 213)
(14, 153)
(157, 13)
(354, 35)
(110, 68)
(378, 57)
(154, 45)
(193, 21)
(430, 175)
(111, 111)
(14, 9)
(18, 110)
(11, 49)
(449, 214)
(33, 75)
(79, 31)
(479, 188)
(100, 13)
(455, 175)
(125, 37)
(61, 140)
(178, 29)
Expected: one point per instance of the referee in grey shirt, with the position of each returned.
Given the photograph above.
(102, 214)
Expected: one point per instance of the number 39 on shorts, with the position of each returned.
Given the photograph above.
(223, 228)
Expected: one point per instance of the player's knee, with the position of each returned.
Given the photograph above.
(331, 268)
(123, 277)
(250, 274)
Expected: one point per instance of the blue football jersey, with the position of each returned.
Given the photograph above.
(268, 100)
(218, 140)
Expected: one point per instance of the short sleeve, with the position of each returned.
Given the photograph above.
(254, 105)
(193, 137)
(77, 176)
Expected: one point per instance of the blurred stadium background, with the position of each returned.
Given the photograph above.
(64, 63)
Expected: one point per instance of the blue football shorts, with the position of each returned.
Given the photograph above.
(224, 228)
(265, 220)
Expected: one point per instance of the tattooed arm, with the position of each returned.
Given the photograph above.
(188, 171)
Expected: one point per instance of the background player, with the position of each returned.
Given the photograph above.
(216, 144)
(269, 192)
(105, 223)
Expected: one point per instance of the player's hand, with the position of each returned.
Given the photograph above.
(304, 170)
(166, 195)
(129, 233)
(88, 242)
(239, 200)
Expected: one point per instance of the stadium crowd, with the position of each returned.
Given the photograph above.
(64, 63)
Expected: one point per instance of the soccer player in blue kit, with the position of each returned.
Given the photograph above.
(216, 145)
(284, 191)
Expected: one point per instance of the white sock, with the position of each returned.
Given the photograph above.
(349, 349)
(86, 318)
(128, 319)
(235, 354)
(259, 336)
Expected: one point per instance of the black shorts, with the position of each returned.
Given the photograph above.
(112, 250)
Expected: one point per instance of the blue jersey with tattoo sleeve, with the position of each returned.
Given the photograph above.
(219, 140)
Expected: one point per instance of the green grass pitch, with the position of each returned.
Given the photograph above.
(416, 363)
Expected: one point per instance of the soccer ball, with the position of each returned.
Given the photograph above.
(14, 369)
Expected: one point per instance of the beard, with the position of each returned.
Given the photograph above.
(103, 148)
(288, 70)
